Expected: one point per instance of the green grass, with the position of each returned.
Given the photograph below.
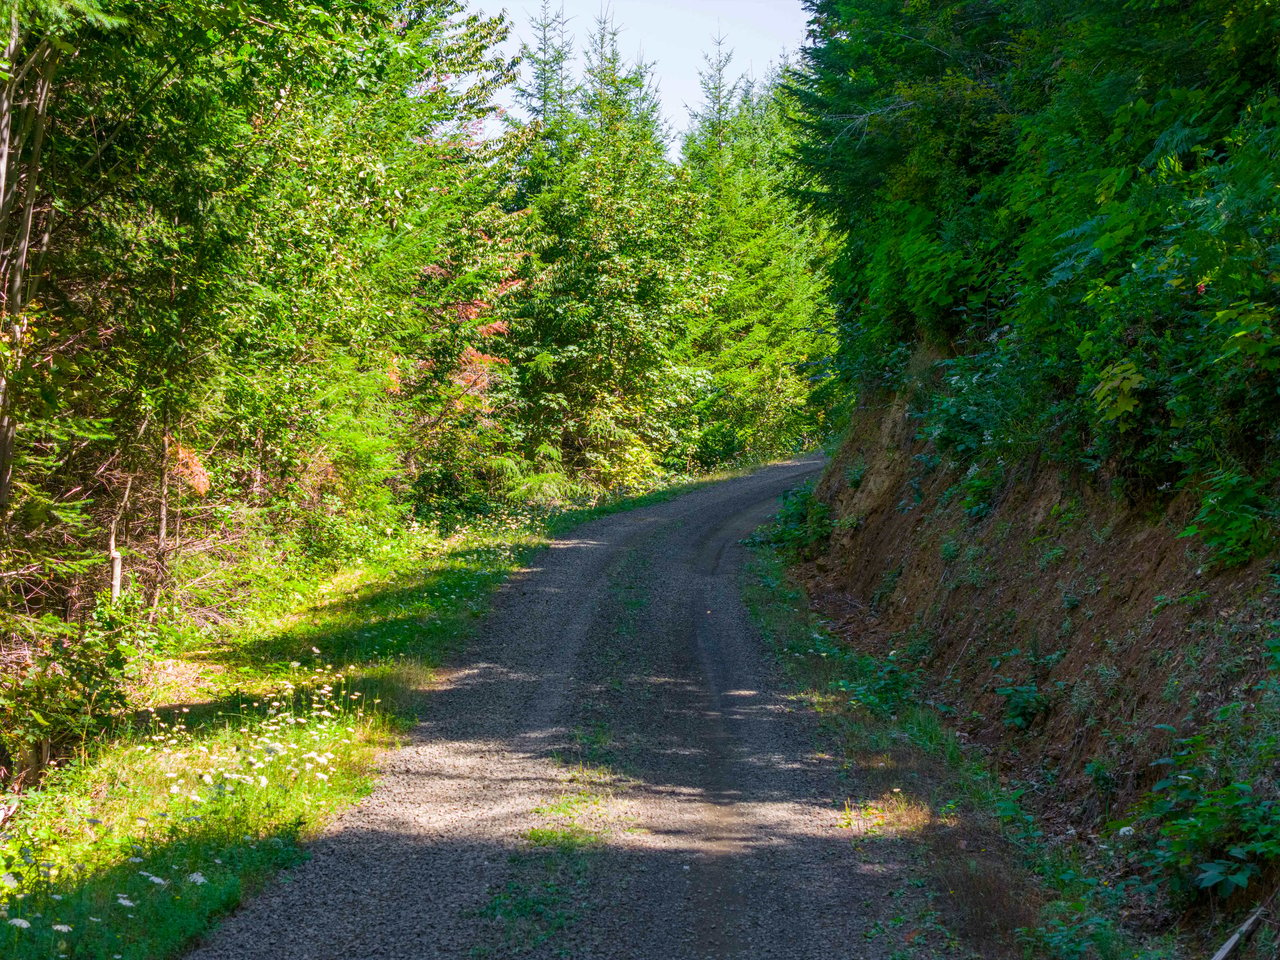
(242, 743)
(128, 853)
(570, 805)
(565, 839)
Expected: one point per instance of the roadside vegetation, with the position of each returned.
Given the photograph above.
(240, 747)
(1119, 825)
(1055, 294)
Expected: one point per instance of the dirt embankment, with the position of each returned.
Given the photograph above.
(1062, 625)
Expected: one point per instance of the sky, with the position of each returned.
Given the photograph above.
(674, 34)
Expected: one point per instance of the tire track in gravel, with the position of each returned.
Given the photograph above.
(613, 771)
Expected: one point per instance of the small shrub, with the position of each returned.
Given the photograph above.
(853, 521)
(980, 488)
(1236, 518)
(1074, 930)
(1024, 703)
(70, 682)
(949, 551)
(855, 473)
(803, 525)
(1216, 811)
(879, 687)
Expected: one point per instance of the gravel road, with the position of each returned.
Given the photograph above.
(614, 770)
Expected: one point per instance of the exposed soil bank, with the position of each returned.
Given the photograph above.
(1060, 623)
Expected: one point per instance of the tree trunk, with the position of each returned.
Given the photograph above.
(24, 103)
(162, 536)
(113, 552)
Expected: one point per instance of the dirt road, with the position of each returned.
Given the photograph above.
(613, 771)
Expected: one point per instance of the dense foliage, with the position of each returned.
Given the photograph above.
(768, 335)
(278, 281)
(1059, 230)
(224, 214)
(1073, 205)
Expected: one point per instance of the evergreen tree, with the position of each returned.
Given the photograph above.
(609, 286)
(765, 335)
(548, 93)
(706, 142)
(225, 213)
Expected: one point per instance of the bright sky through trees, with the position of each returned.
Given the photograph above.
(674, 34)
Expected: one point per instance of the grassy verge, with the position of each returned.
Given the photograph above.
(243, 744)
(999, 886)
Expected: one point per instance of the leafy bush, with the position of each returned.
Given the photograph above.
(1236, 518)
(1216, 811)
(1075, 930)
(1024, 703)
(803, 524)
(70, 681)
(880, 687)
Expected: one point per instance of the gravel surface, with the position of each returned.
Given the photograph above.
(613, 771)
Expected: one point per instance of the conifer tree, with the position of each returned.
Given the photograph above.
(764, 337)
(611, 282)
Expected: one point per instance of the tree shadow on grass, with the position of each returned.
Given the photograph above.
(171, 883)
(425, 614)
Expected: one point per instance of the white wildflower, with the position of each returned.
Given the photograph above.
(124, 901)
(196, 878)
(9, 880)
(20, 923)
(62, 928)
